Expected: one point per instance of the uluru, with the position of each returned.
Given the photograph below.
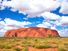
(31, 32)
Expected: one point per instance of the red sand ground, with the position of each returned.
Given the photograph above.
(46, 49)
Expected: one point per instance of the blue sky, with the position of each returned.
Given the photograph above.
(7, 13)
(53, 16)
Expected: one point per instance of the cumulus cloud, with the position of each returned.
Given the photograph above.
(54, 28)
(2, 31)
(64, 20)
(9, 21)
(50, 16)
(59, 20)
(64, 7)
(44, 24)
(63, 32)
(32, 7)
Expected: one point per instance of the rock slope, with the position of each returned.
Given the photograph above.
(31, 32)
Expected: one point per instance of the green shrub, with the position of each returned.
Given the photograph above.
(2, 46)
(25, 49)
(61, 49)
(5, 46)
(17, 49)
(42, 46)
(50, 35)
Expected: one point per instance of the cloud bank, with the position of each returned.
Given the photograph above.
(32, 7)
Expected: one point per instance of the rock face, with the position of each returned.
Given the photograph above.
(31, 32)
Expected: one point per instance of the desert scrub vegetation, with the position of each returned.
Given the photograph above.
(17, 49)
(40, 46)
(49, 42)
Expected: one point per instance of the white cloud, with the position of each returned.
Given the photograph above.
(2, 31)
(32, 7)
(1, 25)
(63, 32)
(44, 24)
(9, 21)
(58, 20)
(64, 20)
(53, 27)
(2, 8)
(36, 7)
(14, 10)
(47, 25)
(41, 25)
(64, 7)
(0, 1)
(58, 23)
(50, 16)
(42, 6)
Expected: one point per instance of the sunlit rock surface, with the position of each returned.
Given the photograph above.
(31, 32)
